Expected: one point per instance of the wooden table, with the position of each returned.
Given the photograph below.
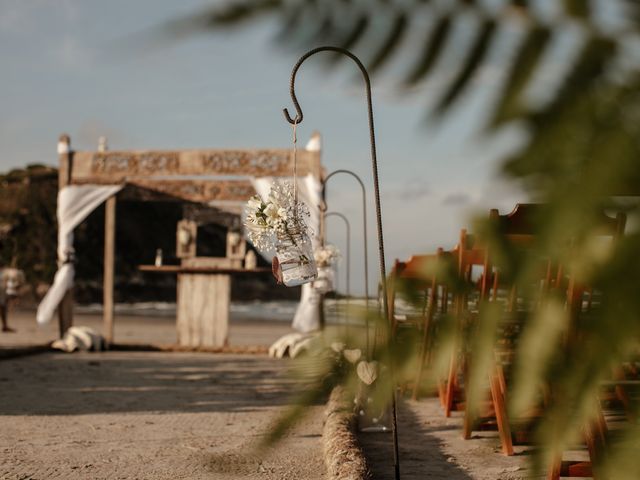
(203, 297)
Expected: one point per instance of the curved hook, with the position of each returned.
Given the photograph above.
(292, 89)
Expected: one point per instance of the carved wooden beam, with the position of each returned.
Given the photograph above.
(201, 191)
(118, 167)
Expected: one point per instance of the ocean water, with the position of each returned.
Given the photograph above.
(282, 310)
(276, 310)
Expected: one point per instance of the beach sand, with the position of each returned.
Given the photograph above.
(150, 415)
(138, 329)
(431, 446)
(171, 415)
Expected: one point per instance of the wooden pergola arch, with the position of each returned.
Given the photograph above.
(219, 178)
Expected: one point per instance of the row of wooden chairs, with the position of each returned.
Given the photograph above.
(475, 264)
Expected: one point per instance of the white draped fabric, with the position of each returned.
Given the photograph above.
(307, 316)
(75, 203)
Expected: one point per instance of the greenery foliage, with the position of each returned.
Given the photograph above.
(571, 82)
(28, 222)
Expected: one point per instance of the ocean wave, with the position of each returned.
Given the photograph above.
(279, 310)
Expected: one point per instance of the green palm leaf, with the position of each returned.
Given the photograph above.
(577, 8)
(589, 67)
(582, 142)
(325, 30)
(522, 69)
(291, 22)
(433, 48)
(352, 37)
(479, 50)
(549, 151)
(393, 39)
(236, 12)
(230, 14)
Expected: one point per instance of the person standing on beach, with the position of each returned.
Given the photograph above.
(10, 281)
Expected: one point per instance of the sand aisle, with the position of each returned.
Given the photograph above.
(137, 329)
(122, 415)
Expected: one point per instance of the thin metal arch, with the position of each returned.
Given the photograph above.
(323, 207)
(348, 226)
(348, 230)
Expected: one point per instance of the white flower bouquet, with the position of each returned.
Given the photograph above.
(279, 223)
(278, 215)
(327, 255)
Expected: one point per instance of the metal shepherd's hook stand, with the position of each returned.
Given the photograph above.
(364, 236)
(374, 165)
(348, 231)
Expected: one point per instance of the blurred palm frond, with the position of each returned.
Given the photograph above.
(571, 78)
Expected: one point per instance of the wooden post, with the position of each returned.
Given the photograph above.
(65, 161)
(65, 312)
(109, 266)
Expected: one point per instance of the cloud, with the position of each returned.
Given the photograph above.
(502, 193)
(410, 192)
(24, 17)
(16, 16)
(456, 199)
(70, 52)
(36, 20)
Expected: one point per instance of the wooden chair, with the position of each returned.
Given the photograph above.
(436, 300)
(421, 272)
(471, 255)
(467, 256)
(596, 432)
(411, 270)
(517, 229)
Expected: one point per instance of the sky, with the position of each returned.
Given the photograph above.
(86, 68)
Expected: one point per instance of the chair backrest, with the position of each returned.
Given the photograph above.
(521, 220)
(520, 228)
(422, 272)
(416, 266)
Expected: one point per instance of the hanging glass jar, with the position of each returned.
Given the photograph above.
(324, 282)
(374, 415)
(295, 257)
(372, 401)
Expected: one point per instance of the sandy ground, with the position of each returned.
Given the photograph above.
(160, 415)
(123, 415)
(137, 329)
(431, 446)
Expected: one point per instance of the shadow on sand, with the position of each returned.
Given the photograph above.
(85, 383)
(421, 453)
